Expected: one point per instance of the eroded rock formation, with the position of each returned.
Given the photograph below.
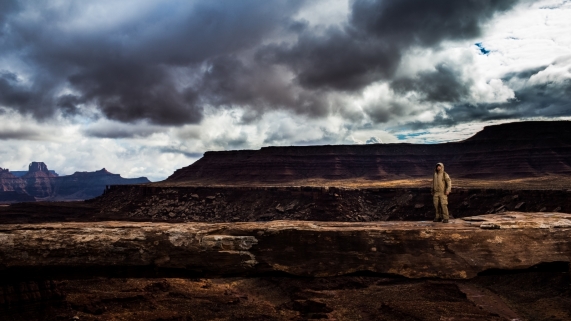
(458, 250)
(39, 180)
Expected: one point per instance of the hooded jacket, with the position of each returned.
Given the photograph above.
(441, 182)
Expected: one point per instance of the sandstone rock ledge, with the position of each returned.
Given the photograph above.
(458, 250)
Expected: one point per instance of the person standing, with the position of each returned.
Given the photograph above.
(441, 187)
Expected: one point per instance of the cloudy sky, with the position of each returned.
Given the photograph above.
(143, 87)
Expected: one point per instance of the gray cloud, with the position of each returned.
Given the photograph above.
(523, 74)
(533, 99)
(370, 47)
(7, 7)
(445, 84)
(19, 134)
(118, 130)
(174, 150)
(387, 111)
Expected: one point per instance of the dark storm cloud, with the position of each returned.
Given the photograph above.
(127, 70)
(7, 7)
(445, 84)
(425, 23)
(11, 92)
(340, 59)
(370, 47)
(127, 91)
(165, 64)
(260, 86)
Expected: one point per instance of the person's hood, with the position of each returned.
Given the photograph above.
(437, 166)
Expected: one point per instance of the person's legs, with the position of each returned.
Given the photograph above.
(436, 201)
(444, 205)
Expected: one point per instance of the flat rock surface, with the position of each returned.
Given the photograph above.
(458, 250)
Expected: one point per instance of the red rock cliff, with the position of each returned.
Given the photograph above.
(514, 150)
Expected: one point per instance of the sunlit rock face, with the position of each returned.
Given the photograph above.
(458, 250)
(514, 150)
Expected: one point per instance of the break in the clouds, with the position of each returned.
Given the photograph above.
(177, 78)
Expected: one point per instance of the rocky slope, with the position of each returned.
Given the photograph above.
(13, 188)
(10, 182)
(507, 151)
(243, 204)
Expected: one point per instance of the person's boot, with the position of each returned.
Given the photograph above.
(437, 219)
(444, 221)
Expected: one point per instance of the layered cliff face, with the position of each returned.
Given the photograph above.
(507, 151)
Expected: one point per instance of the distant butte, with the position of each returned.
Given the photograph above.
(530, 151)
(40, 183)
